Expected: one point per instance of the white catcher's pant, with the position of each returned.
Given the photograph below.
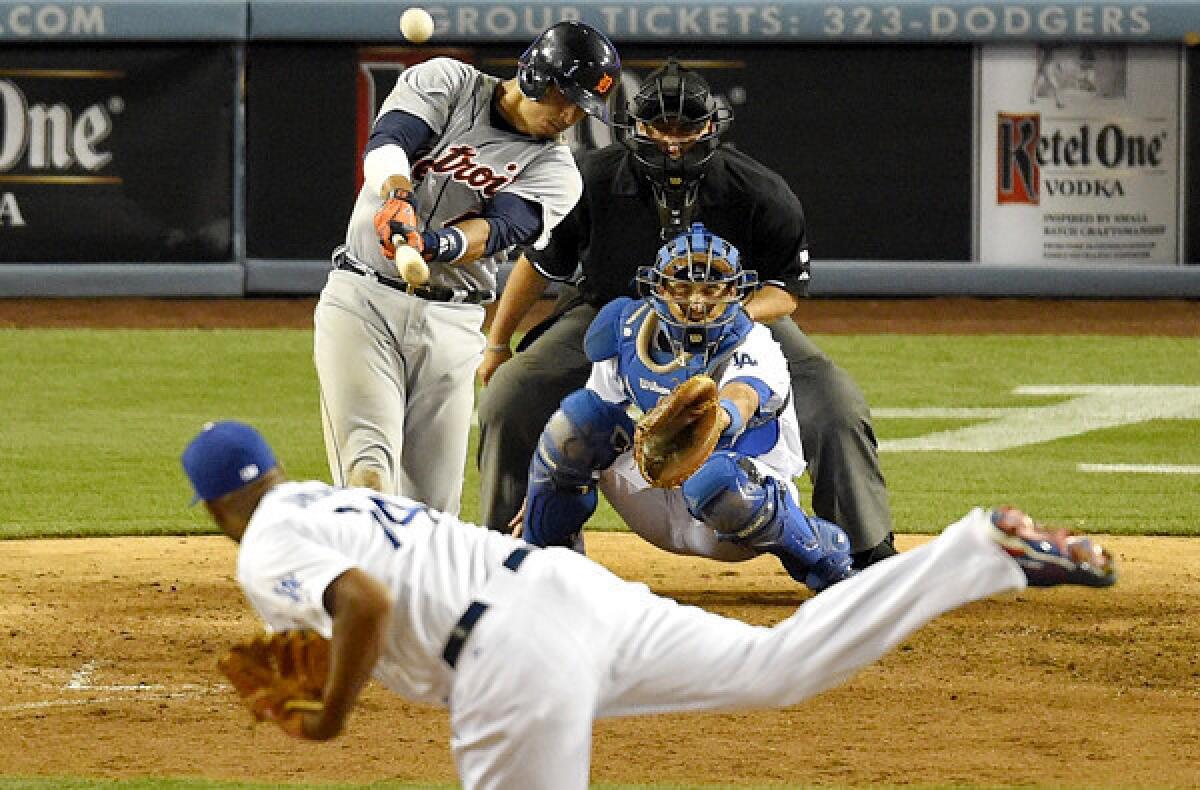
(397, 377)
(565, 642)
(660, 515)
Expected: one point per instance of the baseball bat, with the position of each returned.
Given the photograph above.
(409, 263)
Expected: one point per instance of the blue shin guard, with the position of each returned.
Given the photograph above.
(729, 495)
(583, 437)
(554, 512)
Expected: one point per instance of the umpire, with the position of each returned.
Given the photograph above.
(668, 171)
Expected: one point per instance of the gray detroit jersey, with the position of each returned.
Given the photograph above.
(469, 162)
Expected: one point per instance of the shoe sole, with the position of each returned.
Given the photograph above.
(1048, 568)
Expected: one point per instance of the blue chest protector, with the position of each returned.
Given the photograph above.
(628, 330)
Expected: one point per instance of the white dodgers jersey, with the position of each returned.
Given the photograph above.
(305, 535)
(469, 161)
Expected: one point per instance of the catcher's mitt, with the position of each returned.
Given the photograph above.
(676, 437)
(279, 676)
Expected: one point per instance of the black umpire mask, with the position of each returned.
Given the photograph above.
(672, 131)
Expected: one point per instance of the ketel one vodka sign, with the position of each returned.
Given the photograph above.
(1079, 155)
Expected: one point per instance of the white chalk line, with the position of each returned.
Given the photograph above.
(1086, 408)
(81, 681)
(1144, 469)
(188, 693)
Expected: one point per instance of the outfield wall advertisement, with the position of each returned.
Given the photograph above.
(116, 155)
(1079, 154)
(492, 21)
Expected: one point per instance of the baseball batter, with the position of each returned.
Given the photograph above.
(742, 501)
(527, 647)
(460, 166)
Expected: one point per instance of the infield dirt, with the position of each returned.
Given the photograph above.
(110, 650)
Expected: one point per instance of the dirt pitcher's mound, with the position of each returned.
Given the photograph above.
(110, 648)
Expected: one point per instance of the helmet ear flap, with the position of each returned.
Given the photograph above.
(578, 59)
(533, 78)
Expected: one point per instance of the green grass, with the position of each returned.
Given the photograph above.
(93, 423)
(933, 488)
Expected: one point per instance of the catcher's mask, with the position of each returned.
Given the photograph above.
(696, 287)
(672, 127)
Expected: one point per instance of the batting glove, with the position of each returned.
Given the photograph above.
(398, 217)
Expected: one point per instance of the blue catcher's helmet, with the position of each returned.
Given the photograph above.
(696, 287)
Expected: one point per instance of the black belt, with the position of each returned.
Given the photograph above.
(433, 293)
(462, 629)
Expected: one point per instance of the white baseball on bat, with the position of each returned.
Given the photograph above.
(409, 263)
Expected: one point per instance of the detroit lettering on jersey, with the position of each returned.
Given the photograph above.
(459, 163)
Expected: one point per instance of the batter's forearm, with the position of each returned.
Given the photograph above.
(523, 288)
(476, 232)
(769, 303)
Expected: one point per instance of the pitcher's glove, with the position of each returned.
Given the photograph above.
(279, 676)
(675, 438)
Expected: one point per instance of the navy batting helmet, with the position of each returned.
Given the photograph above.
(578, 59)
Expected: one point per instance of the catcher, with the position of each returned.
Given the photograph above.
(708, 470)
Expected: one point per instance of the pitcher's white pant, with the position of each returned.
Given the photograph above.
(397, 378)
(565, 642)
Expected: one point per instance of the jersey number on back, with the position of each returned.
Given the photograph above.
(387, 515)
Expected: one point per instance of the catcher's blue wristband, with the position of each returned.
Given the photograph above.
(447, 245)
(736, 423)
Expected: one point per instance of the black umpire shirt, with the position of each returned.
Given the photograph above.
(614, 227)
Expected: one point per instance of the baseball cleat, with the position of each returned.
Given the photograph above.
(1050, 557)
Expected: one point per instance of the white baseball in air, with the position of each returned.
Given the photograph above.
(411, 265)
(417, 25)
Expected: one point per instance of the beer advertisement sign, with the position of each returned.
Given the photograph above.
(1079, 154)
(116, 155)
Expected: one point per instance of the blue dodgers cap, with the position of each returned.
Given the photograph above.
(225, 456)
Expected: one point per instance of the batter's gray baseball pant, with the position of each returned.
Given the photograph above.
(835, 426)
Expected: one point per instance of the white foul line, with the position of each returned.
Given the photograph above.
(189, 691)
(1146, 469)
(1086, 408)
(81, 680)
